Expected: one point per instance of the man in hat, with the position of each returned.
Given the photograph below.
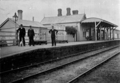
(53, 35)
(22, 32)
(31, 35)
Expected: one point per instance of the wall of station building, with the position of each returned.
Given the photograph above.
(7, 33)
(104, 33)
(61, 35)
(78, 37)
(83, 33)
(117, 34)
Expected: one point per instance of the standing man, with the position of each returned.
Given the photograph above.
(53, 34)
(31, 35)
(22, 32)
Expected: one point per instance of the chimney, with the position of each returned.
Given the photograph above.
(20, 14)
(68, 11)
(75, 12)
(59, 12)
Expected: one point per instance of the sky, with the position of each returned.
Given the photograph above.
(106, 9)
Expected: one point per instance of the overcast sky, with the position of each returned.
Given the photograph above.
(105, 9)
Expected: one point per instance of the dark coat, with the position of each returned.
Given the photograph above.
(31, 33)
(53, 32)
(21, 32)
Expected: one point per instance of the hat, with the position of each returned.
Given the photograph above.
(21, 25)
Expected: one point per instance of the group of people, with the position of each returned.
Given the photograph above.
(22, 32)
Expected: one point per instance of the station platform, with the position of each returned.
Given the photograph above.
(12, 50)
(15, 57)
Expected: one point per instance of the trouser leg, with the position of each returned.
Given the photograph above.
(52, 41)
(32, 41)
(29, 41)
(55, 42)
(23, 39)
(20, 39)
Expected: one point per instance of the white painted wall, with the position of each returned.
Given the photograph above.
(79, 28)
(8, 32)
(10, 37)
(61, 34)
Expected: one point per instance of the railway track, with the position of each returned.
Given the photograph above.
(75, 79)
(55, 68)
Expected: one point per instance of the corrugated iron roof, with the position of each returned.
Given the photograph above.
(29, 23)
(94, 19)
(24, 23)
(62, 19)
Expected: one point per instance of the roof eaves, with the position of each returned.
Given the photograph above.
(110, 23)
(101, 21)
(107, 22)
(63, 16)
(92, 18)
(43, 20)
(31, 23)
(4, 22)
(62, 23)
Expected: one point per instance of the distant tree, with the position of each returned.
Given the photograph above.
(71, 30)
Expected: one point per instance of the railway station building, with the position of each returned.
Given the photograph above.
(87, 28)
(9, 26)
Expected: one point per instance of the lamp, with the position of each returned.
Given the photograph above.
(16, 36)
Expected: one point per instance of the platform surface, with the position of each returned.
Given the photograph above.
(11, 50)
